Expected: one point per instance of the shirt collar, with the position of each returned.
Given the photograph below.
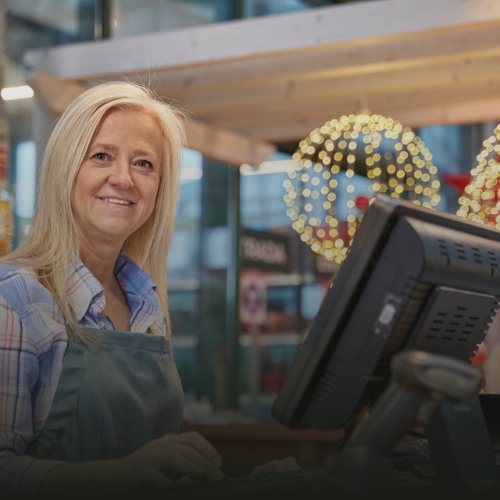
(84, 286)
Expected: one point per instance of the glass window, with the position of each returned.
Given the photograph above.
(184, 270)
(129, 17)
(26, 179)
(454, 149)
(34, 25)
(198, 261)
(270, 340)
(255, 8)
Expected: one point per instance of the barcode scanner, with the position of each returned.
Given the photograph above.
(420, 383)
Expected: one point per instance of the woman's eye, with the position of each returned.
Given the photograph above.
(144, 164)
(101, 156)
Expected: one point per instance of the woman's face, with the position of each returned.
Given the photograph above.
(116, 186)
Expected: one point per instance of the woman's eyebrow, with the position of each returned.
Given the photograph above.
(107, 147)
(144, 152)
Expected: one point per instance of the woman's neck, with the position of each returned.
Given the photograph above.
(101, 264)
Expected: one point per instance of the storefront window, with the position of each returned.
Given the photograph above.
(34, 25)
(255, 8)
(129, 17)
(184, 270)
(272, 288)
(454, 149)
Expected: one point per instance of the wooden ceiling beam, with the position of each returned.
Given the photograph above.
(54, 94)
(405, 53)
(386, 104)
(449, 114)
(226, 146)
(291, 93)
(214, 142)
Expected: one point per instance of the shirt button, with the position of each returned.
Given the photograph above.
(100, 324)
(98, 300)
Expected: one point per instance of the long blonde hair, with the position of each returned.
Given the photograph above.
(52, 246)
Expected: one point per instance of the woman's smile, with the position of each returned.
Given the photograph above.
(117, 201)
(115, 189)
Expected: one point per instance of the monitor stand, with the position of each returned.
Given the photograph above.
(461, 447)
(460, 444)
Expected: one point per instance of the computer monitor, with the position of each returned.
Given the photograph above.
(413, 279)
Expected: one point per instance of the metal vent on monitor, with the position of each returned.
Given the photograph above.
(454, 251)
(413, 297)
(454, 322)
(458, 324)
(324, 388)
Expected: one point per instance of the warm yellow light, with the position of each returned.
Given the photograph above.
(405, 172)
(480, 202)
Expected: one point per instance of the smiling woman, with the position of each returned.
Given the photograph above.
(142, 138)
(90, 397)
(114, 194)
(88, 373)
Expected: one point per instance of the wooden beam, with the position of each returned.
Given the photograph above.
(446, 114)
(450, 114)
(416, 51)
(333, 106)
(214, 142)
(226, 146)
(54, 94)
(338, 26)
(291, 92)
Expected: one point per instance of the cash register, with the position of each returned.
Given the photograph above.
(418, 291)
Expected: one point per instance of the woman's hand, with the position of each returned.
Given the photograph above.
(182, 454)
(288, 464)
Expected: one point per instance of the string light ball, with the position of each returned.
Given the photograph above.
(481, 201)
(393, 158)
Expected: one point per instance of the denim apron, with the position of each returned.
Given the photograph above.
(113, 399)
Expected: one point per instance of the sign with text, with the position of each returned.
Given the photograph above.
(265, 251)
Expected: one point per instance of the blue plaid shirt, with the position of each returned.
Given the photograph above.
(33, 341)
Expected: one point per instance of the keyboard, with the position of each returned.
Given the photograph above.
(293, 481)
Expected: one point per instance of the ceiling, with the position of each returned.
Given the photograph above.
(274, 79)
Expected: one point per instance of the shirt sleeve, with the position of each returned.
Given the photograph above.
(20, 475)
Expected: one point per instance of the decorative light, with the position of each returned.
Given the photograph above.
(481, 200)
(11, 93)
(393, 158)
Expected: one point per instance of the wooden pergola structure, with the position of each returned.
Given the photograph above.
(252, 83)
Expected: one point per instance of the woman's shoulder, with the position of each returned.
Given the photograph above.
(28, 308)
(8, 271)
(20, 287)
(12, 277)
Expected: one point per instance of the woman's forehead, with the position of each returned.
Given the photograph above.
(137, 126)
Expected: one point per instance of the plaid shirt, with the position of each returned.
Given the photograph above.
(33, 341)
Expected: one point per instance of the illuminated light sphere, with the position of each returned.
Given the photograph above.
(391, 159)
(480, 201)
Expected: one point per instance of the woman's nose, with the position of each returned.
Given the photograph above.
(121, 177)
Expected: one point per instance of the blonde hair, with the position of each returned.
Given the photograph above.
(52, 246)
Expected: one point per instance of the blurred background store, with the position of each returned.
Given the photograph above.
(238, 319)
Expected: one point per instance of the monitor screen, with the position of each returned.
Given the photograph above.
(413, 279)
